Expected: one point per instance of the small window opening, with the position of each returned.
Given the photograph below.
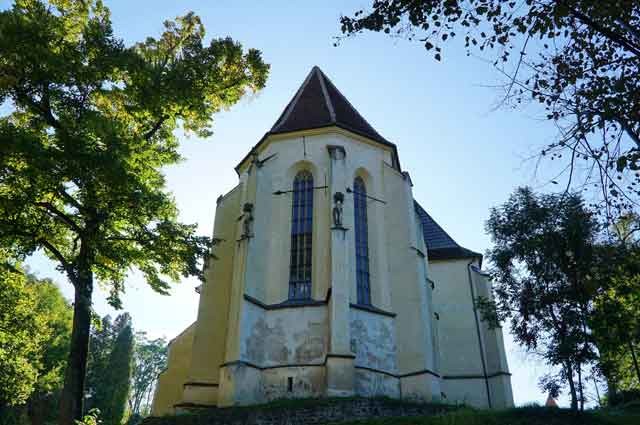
(290, 384)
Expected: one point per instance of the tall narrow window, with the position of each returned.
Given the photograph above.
(301, 237)
(362, 241)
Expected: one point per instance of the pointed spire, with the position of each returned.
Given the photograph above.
(318, 103)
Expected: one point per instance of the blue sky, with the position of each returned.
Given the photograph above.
(463, 155)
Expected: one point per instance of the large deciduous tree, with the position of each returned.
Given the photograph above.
(579, 59)
(543, 262)
(90, 124)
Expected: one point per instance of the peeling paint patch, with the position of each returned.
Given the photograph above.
(373, 341)
(283, 337)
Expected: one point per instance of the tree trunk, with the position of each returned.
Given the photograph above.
(572, 388)
(635, 360)
(580, 388)
(71, 402)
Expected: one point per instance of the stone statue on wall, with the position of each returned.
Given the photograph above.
(338, 199)
(247, 223)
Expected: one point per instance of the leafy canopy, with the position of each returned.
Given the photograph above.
(21, 336)
(91, 124)
(544, 268)
(579, 59)
(149, 359)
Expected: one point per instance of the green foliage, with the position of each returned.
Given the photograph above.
(110, 368)
(149, 359)
(91, 418)
(543, 263)
(113, 392)
(578, 59)
(615, 319)
(91, 123)
(57, 316)
(21, 336)
(42, 325)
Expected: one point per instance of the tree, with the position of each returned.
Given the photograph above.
(100, 346)
(48, 341)
(113, 391)
(21, 336)
(579, 59)
(56, 314)
(543, 262)
(149, 359)
(91, 124)
(615, 319)
(102, 343)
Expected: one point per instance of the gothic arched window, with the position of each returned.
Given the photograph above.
(362, 241)
(301, 237)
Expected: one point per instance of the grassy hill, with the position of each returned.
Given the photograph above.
(515, 416)
(383, 411)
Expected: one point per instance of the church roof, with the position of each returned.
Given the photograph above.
(318, 103)
(440, 246)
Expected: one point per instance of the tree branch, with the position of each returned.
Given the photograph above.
(610, 34)
(60, 215)
(149, 134)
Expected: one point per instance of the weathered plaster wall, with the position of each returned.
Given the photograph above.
(288, 336)
(374, 384)
(373, 340)
(170, 381)
(307, 381)
(373, 343)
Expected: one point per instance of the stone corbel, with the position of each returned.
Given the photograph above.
(337, 152)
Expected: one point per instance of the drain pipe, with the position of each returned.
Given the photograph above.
(480, 345)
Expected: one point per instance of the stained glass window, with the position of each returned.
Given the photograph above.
(301, 237)
(362, 242)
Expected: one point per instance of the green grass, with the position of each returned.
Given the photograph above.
(516, 416)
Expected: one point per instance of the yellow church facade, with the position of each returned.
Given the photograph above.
(328, 279)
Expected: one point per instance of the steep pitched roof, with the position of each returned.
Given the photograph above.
(440, 246)
(318, 103)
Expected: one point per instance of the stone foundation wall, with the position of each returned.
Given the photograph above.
(305, 412)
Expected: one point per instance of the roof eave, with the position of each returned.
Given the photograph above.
(264, 138)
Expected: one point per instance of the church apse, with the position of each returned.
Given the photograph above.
(321, 287)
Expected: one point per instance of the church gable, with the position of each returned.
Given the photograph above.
(318, 103)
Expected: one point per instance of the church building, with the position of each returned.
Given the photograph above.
(328, 279)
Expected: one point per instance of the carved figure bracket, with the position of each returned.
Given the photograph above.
(247, 221)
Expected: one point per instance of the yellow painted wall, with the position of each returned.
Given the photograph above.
(225, 331)
(171, 380)
(213, 311)
(459, 344)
